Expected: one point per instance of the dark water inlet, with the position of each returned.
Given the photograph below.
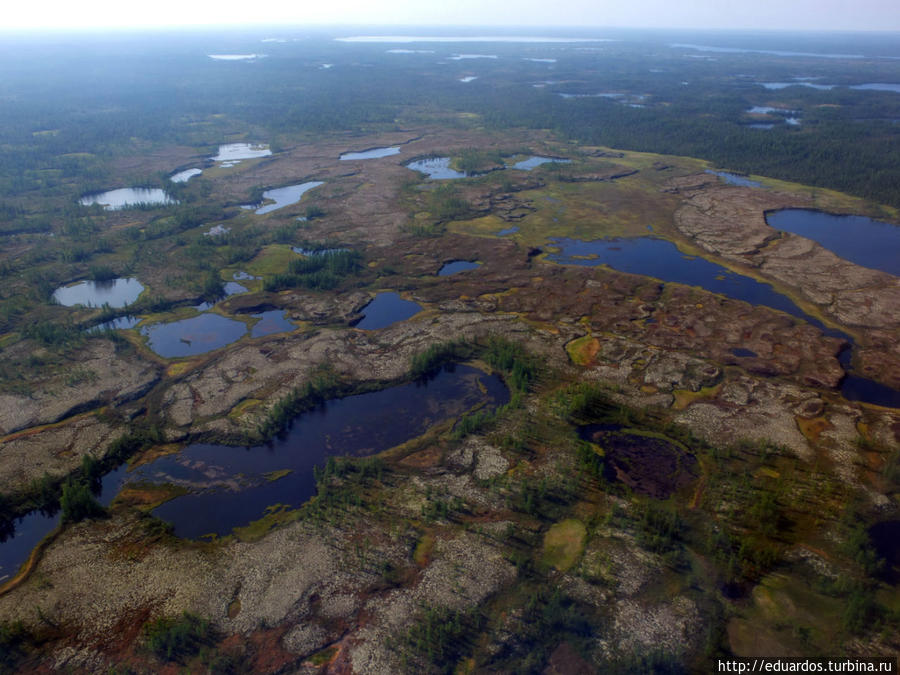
(30, 529)
(232, 486)
(662, 259)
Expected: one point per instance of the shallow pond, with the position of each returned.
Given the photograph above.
(197, 335)
(113, 292)
(508, 230)
(468, 78)
(535, 161)
(662, 260)
(386, 309)
(457, 266)
(30, 529)
(185, 176)
(437, 168)
(232, 486)
(735, 179)
(284, 196)
(123, 198)
(785, 85)
(271, 322)
(372, 153)
(234, 152)
(864, 241)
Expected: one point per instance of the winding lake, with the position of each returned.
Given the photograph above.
(123, 198)
(284, 196)
(864, 241)
(232, 486)
(386, 309)
(113, 292)
(185, 176)
(372, 153)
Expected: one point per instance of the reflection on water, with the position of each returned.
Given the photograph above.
(386, 309)
(123, 198)
(113, 292)
(232, 486)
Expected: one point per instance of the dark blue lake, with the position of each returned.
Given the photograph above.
(385, 309)
(457, 266)
(864, 241)
(230, 486)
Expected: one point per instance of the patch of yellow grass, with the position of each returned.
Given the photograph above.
(583, 351)
(684, 397)
(564, 544)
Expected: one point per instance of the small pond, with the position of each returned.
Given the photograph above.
(233, 288)
(864, 241)
(437, 168)
(468, 78)
(123, 198)
(16, 545)
(232, 486)
(742, 352)
(535, 161)
(234, 152)
(386, 309)
(113, 292)
(735, 179)
(197, 335)
(372, 153)
(652, 466)
(240, 275)
(271, 322)
(508, 230)
(283, 196)
(457, 266)
(185, 176)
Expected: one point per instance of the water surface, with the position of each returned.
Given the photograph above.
(271, 322)
(735, 179)
(784, 85)
(457, 266)
(234, 152)
(113, 292)
(197, 335)
(30, 529)
(536, 161)
(878, 86)
(864, 241)
(231, 487)
(386, 309)
(185, 176)
(284, 196)
(371, 153)
(436, 168)
(123, 198)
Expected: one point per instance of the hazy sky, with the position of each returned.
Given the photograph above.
(737, 14)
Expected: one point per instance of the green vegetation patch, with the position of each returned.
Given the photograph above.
(564, 544)
(178, 638)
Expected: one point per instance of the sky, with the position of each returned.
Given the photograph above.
(843, 15)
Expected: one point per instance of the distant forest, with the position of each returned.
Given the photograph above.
(69, 105)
